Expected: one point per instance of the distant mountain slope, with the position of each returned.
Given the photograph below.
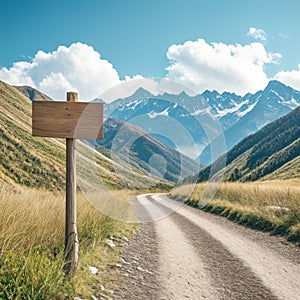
(272, 152)
(132, 144)
(40, 162)
(274, 101)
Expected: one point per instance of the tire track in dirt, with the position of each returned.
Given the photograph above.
(181, 272)
(279, 273)
(231, 279)
(183, 253)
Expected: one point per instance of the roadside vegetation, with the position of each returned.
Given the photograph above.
(32, 244)
(272, 206)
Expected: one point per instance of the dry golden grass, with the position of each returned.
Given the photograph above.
(257, 194)
(271, 206)
(32, 242)
(30, 218)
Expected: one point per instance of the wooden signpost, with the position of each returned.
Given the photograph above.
(69, 120)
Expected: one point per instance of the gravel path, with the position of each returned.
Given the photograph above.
(189, 254)
(141, 262)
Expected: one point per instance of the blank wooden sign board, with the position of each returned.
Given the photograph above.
(69, 120)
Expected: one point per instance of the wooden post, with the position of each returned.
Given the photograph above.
(71, 235)
(69, 120)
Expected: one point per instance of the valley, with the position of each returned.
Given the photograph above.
(150, 150)
(149, 227)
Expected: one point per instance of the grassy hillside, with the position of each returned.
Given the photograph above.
(23, 159)
(40, 162)
(271, 153)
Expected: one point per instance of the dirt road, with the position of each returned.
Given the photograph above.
(189, 254)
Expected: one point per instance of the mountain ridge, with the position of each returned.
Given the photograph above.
(206, 115)
(273, 102)
(273, 152)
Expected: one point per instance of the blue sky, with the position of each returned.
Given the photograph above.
(136, 37)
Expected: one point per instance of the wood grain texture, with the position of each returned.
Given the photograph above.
(67, 119)
(71, 234)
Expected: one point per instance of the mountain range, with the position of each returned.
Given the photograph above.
(273, 102)
(273, 152)
(192, 123)
(143, 133)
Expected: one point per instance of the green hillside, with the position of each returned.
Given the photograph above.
(40, 162)
(23, 159)
(271, 153)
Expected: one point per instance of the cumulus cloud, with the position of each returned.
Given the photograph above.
(196, 65)
(258, 34)
(290, 78)
(219, 66)
(75, 68)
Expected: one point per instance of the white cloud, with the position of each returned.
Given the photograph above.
(75, 68)
(219, 66)
(290, 78)
(258, 34)
(196, 65)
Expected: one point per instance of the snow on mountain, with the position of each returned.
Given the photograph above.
(192, 121)
(242, 113)
(154, 114)
(275, 101)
